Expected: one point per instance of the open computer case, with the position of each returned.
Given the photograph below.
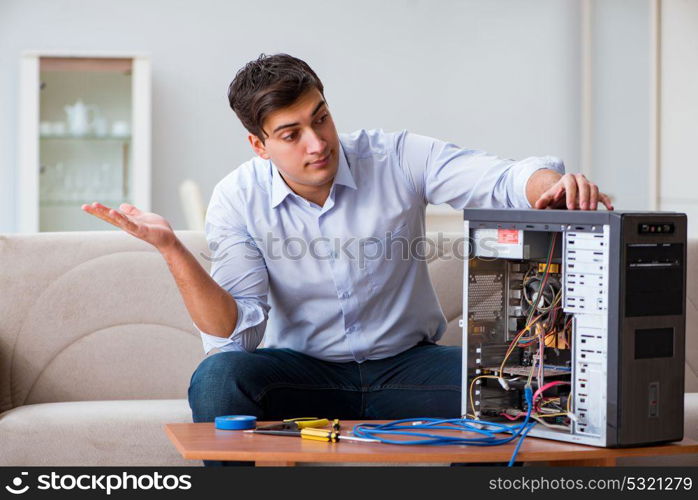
(601, 295)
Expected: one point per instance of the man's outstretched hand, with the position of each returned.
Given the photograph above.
(146, 226)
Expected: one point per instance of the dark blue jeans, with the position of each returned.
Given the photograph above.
(273, 384)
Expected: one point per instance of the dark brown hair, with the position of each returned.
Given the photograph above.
(267, 84)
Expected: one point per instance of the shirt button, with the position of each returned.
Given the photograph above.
(345, 295)
(351, 329)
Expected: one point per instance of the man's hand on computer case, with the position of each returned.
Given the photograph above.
(571, 191)
(149, 227)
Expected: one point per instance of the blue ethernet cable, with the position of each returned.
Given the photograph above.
(413, 427)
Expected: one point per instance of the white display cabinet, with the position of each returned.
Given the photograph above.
(84, 136)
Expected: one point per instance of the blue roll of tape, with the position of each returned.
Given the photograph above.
(236, 422)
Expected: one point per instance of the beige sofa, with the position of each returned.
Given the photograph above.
(97, 349)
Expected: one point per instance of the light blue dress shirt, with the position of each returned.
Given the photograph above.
(339, 282)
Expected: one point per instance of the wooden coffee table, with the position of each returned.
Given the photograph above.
(204, 442)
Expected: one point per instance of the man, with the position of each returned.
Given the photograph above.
(347, 336)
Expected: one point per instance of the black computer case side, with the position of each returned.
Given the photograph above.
(647, 338)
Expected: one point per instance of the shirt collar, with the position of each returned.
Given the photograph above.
(280, 190)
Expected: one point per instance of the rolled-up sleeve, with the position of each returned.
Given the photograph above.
(238, 267)
(440, 172)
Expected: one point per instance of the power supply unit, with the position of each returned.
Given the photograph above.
(587, 308)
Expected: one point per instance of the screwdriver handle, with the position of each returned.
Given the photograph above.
(319, 435)
(318, 422)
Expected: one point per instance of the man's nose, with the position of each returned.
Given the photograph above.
(315, 143)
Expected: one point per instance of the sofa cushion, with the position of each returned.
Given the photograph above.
(93, 315)
(92, 433)
(446, 273)
(692, 317)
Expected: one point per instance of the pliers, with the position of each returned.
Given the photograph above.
(297, 424)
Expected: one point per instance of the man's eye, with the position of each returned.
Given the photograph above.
(322, 119)
(289, 137)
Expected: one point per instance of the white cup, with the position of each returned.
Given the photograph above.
(120, 128)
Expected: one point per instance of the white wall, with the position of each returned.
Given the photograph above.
(620, 107)
(498, 75)
(678, 179)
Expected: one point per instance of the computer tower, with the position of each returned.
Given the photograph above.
(602, 296)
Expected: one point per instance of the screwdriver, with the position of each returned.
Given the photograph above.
(315, 435)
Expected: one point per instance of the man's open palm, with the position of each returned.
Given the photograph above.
(146, 226)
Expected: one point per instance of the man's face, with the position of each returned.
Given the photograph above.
(302, 142)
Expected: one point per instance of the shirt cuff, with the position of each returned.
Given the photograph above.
(248, 331)
(527, 167)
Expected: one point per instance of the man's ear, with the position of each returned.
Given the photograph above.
(258, 146)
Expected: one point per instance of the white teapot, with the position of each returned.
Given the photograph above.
(79, 119)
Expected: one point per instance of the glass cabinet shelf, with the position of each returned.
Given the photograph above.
(85, 138)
